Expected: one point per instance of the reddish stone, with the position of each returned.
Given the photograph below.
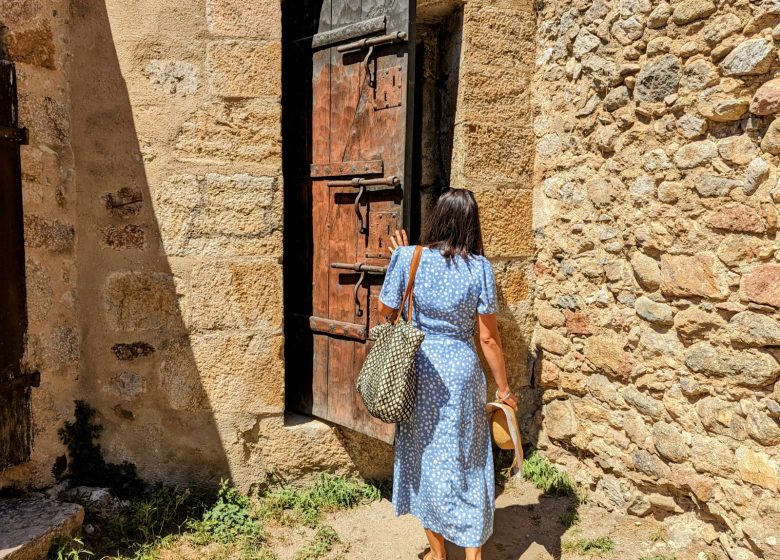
(766, 100)
(762, 285)
(698, 275)
(576, 322)
(737, 217)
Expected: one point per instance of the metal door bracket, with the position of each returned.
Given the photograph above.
(363, 269)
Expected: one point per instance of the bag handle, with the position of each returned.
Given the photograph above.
(409, 293)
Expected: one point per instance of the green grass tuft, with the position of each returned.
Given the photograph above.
(547, 477)
(290, 505)
(590, 547)
(229, 520)
(322, 543)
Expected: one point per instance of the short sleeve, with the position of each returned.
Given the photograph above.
(487, 303)
(395, 281)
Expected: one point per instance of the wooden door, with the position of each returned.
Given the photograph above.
(15, 414)
(361, 137)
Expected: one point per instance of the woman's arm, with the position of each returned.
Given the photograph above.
(388, 313)
(398, 239)
(490, 342)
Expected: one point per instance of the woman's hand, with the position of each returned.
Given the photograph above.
(398, 239)
(508, 397)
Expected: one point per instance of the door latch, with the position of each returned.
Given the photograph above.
(363, 269)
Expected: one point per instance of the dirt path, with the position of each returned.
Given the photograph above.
(527, 527)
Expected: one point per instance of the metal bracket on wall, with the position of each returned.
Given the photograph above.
(32, 379)
(14, 135)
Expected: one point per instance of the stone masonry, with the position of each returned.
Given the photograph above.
(154, 196)
(657, 274)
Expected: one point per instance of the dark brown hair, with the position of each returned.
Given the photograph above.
(453, 226)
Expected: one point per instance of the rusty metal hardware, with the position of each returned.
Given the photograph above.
(370, 43)
(392, 181)
(347, 32)
(363, 269)
(365, 185)
(32, 379)
(373, 42)
(14, 135)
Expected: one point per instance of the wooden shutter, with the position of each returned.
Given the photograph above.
(15, 413)
(361, 138)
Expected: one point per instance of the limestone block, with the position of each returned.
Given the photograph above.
(559, 420)
(246, 132)
(720, 27)
(239, 69)
(43, 233)
(644, 403)
(750, 57)
(128, 236)
(739, 250)
(751, 368)
(754, 329)
(32, 525)
(722, 108)
(762, 285)
(506, 222)
(176, 77)
(239, 18)
(695, 154)
(721, 417)
(141, 301)
(504, 46)
(650, 464)
(33, 45)
(710, 455)
(709, 185)
(605, 351)
(697, 275)
(39, 291)
(762, 428)
(691, 10)
(658, 78)
(237, 373)
(236, 295)
(548, 316)
(493, 94)
(669, 442)
(551, 341)
(654, 312)
(736, 217)
(758, 468)
(694, 322)
(492, 153)
(737, 149)
(512, 282)
(770, 143)
(659, 16)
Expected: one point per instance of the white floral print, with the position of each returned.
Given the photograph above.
(443, 470)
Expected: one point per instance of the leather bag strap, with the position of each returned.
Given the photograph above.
(409, 293)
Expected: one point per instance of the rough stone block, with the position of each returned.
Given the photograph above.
(220, 215)
(239, 69)
(43, 233)
(505, 45)
(698, 275)
(130, 236)
(176, 77)
(141, 301)
(605, 351)
(33, 46)
(492, 153)
(246, 132)
(511, 281)
(30, 526)
(491, 94)
(560, 421)
(236, 295)
(758, 468)
(237, 373)
(762, 285)
(239, 18)
(506, 222)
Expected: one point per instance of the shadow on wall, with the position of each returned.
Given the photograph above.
(138, 367)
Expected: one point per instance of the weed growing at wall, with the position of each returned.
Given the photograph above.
(600, 546)
(321, 544)
(545, 476)
(87, 467)
(230, 519)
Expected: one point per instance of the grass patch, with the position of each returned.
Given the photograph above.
(547, 477)
(291, 506)
(323, 542)
(600, 546)
(230, 519)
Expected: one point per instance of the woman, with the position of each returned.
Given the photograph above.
(443, 470)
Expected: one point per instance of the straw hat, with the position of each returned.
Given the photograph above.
(505, 430)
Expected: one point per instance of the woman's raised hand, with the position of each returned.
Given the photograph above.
(398, 239)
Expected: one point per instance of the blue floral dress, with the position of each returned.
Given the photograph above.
(443, 470)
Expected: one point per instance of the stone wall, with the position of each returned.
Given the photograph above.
(658, 267)
(34, 34)
(153, 202)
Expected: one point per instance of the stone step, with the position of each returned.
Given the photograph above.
(31, 524)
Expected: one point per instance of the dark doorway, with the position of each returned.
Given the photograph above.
(354, 133)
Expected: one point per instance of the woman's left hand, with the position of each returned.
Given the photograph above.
(398, 239)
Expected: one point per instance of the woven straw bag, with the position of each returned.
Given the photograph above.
(388, 379)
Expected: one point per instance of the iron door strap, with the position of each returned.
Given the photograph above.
(364, 185)
(363, 269)
(32, 379)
